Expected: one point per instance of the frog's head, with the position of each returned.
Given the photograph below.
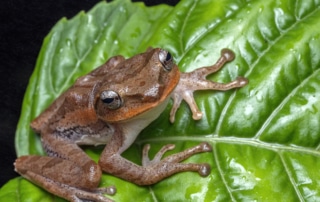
(136, 85)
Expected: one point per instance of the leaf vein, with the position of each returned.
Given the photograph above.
(284, 101)
(153, 194)
(208, 31)
(289, 174)
(220, 171)
(79, 60)
(254, 64)
(185, 23)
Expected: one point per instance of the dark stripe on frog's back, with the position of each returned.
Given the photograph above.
(92, 134)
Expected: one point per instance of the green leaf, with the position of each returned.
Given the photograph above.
(265, 136)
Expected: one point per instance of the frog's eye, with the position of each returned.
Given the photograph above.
(166, 60)
(111, 99)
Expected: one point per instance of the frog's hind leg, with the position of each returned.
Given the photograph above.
(74, 178)
(61, 189)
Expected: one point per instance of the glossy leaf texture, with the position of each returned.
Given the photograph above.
(265, 136)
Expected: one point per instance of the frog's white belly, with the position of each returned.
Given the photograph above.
(134, 126)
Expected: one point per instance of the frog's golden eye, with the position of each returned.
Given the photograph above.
(166, 60)
(111, 99)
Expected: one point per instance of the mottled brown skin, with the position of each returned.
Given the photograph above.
(111, 105)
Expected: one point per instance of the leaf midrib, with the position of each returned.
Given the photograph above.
(215, 139)
(233, 140)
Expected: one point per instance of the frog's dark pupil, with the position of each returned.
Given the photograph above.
(108, 100)
(168, 57)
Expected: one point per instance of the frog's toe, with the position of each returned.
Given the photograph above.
(111, 190)
(145, 159)
(227, 54)
(242, 81)
(204, 170)
(206, 147)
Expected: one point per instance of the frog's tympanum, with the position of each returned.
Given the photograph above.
(111, 105)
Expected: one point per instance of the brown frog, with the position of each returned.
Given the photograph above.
(111, 105)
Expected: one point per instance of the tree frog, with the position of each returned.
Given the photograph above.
(111, 105)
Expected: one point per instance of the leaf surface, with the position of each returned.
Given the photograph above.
(265, 136)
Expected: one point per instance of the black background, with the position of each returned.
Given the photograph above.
(24, 24)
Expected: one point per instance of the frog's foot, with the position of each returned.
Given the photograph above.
(38, 168)
(95, 195)
(172, 163)
(70, 193)
(196, 80)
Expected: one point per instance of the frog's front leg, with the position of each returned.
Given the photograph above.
(196, 80)
(151, 171)
(67, 172)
